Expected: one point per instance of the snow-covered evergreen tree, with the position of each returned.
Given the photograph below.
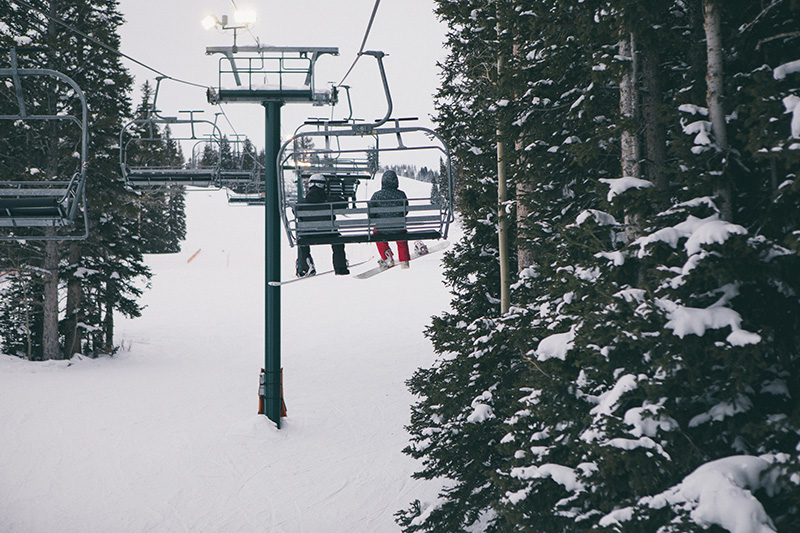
(650, 360)
(99, 272)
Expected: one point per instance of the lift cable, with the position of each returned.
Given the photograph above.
(103, 45)
(121, 54)
(363, 42)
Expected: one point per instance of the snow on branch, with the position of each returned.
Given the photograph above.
(721, 493)
(685, 321)
(620, 185)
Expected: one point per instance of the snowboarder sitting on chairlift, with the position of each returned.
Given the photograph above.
(317, 185)
(388, 208)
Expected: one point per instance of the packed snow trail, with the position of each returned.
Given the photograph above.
(164, 436)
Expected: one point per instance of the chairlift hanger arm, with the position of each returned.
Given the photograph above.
(379, 57)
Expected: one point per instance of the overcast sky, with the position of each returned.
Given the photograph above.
(168, 36)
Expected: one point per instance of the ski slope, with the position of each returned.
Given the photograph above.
(164, 435)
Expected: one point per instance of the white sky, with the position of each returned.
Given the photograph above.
(167, 35)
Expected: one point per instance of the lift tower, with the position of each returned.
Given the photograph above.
(270, 76)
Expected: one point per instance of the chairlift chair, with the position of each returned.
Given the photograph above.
(244, 171)
(358, 220)
(139, 133)
(52, 203)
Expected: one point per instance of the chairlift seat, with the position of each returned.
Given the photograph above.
(329, 223)
(200, 177)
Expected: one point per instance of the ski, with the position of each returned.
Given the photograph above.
(414, 255)
(318, 274)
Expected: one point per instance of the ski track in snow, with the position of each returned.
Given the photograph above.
(164, 436)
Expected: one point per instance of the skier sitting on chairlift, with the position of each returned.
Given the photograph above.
(317, 194)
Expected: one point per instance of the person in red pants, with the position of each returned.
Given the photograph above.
(387, 210)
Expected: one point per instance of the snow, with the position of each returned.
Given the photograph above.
(563, 475)
(720, 493)
(608, 401)
(164, 435)
(556, 345)
(620, 185)
(723, 410)
(600, 217)
(701, 129)
(696, 231)
(792, 105)
(782, 71)
(683, 320)
(481, 411)
(712, 231)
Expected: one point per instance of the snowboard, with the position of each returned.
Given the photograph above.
(414, 255)
(318, 274)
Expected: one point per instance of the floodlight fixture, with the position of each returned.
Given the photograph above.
(245, 18)
(209, 22)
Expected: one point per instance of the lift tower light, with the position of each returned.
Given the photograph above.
(245, 20)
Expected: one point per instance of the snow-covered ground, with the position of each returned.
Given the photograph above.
(164, 435)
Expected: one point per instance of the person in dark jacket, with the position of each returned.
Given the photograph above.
(317, 194)
(388, 208)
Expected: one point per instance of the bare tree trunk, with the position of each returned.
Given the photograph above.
(525, 257)
(502, 199)
(72, 334)
(716, 111)
(655, 131)
(628, 103)
(502, 225)
(50, 345)
(629, 141)
(108, 326)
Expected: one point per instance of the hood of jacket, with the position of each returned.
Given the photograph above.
(389, 180)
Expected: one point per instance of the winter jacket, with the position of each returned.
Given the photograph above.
(317, 195)
(393, 203)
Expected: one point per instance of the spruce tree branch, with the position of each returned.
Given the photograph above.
(779, 36)
(533, 362)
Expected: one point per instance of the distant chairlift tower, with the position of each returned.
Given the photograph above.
(270, 76)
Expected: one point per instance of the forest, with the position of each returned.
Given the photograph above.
(622, 353)
(623, 348)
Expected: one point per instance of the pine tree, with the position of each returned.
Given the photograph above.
(99, 272)
(630, 358)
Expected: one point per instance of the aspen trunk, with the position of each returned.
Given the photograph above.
(716, 111)
(629, 141)
(502, 199)
(628, 103)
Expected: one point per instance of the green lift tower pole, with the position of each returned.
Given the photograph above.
(293, 69)
(272, 251)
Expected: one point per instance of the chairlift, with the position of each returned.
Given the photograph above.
(243, 170)
(138, 134)
(351, 153)
(356, 221)
(51, 203)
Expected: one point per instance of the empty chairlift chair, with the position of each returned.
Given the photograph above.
(44, 203)
(141, 139)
